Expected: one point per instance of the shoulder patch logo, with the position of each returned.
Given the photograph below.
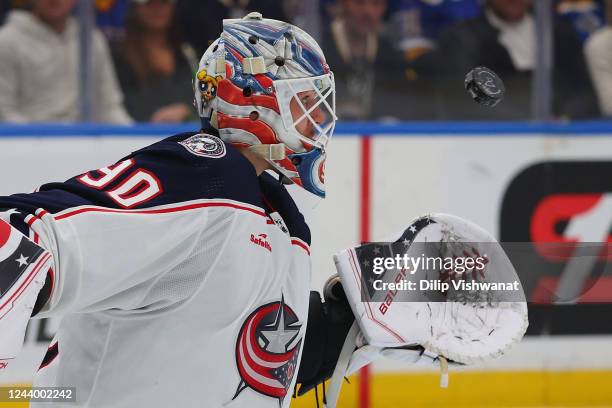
(204, 145)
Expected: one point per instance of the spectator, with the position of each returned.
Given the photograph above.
(370, 78)
(39, 67)
(191, 14)
(420, 22)
(154, 68)
(586, 16)
(110, 18)
(504, 39)
(598, 51)
(329, 10)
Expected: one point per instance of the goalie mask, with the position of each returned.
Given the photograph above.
(265, 85)
(463, 323)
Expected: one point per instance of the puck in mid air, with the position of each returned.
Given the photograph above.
(484, 86)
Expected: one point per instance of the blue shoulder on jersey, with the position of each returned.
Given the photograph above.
(163, 173)
(185, 167)
(278, 199)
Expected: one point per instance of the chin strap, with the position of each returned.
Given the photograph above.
(270, 151)
(342, 366)
(274, 153)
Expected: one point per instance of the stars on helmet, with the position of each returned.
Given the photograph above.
(281, 54)
(238, 77)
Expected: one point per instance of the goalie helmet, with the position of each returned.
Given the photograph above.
(264, 84)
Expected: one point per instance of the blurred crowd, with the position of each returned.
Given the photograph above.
(392, 59)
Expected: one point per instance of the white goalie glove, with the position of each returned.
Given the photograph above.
(466, 311)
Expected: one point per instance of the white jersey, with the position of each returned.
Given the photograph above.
(182, 279)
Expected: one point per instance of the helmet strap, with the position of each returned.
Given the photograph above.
(254, 65)
(271, 152)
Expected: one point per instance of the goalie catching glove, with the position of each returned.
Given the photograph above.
(425, 327)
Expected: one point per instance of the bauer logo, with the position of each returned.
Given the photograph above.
(565, 209)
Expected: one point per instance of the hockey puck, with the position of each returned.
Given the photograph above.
(484, 86)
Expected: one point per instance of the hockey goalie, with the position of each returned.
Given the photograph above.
(181, 272)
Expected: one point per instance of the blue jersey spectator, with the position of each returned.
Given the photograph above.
(503, 38)
(110, 17)
(420, 22)
(585, 16)
(191, 13)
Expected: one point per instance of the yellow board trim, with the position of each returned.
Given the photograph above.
(480, 389)
(472, 389)
(4, 404)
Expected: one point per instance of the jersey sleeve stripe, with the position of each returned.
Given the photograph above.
(298, 242)
(31, 219)
(165, 209)
(41, 212)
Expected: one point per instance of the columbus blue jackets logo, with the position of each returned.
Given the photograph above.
(267, 350)
(205, 146)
